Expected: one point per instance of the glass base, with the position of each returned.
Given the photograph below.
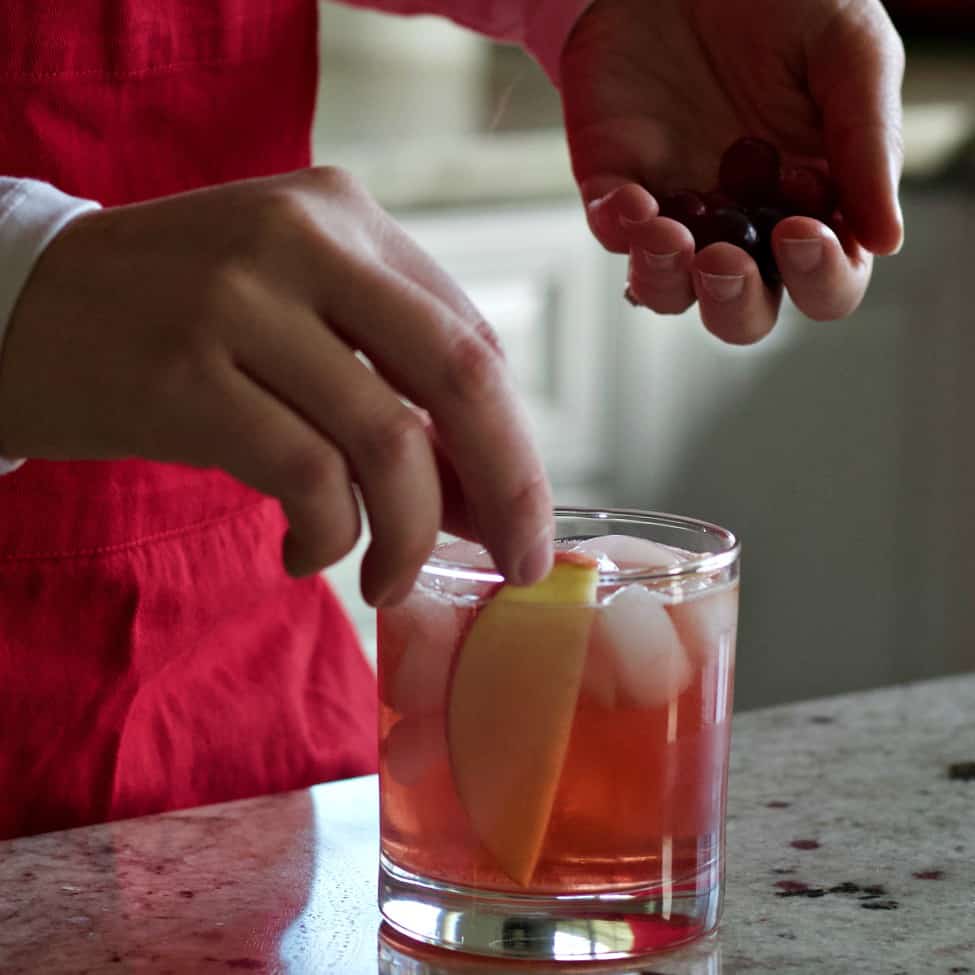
(615, 925)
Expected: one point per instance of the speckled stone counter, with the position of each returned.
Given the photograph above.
(851, 842)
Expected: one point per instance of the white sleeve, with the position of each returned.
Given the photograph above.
(31, 214)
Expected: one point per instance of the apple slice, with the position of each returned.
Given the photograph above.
(511, 704)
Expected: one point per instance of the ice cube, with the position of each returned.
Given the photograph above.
(462, 552)
(628, 552)
(707, 623)
(470, 556)
(606, 564)
(598, 683)
(652, 667)
(414, 745)
(429, 627)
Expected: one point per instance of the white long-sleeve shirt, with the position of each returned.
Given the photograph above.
(32, 213)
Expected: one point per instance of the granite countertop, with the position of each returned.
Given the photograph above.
(851, 839)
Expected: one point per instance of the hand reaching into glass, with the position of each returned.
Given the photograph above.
(655, 92)
(219, 328)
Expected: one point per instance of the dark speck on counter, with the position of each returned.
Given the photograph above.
(962, 771)
(874, 890)
(805, 844)
(792, 886)
(800, 890)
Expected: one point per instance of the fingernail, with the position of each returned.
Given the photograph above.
(628, 209)
(803, 255)
(628, 223)
(657, 263)
(900, 220)
(536, 562)
(723, 287)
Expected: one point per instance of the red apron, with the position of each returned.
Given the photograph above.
(153, 653)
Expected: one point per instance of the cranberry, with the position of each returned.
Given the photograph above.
(808, 192)
(754, 193)
(684, 206)
(716, 200)
(731, 225)
(749, 171)
(765, 220)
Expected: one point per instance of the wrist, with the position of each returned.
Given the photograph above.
(32, 214)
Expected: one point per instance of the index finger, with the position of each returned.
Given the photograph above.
(451, 366)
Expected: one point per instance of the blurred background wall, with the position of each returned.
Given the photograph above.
(843, 455)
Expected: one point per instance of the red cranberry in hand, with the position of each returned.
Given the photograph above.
(749, 171)
(755, 192)
(808, 192)
(765, 220)
(716, 200)
(684, 206)
(730, 225)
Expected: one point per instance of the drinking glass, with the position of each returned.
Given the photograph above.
(554, 758)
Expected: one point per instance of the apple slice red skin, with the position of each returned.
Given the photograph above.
(509, 720)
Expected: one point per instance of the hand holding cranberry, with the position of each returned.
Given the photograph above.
(755, 194)
(733, 146)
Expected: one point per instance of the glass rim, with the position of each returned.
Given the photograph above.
(702, 563)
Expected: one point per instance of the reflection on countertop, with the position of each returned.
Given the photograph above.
(850, 849)
(428, 135)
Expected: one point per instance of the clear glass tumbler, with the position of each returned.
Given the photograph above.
(554, 758)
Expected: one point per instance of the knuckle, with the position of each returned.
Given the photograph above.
(412, 544)
(490, 335)
(308, 472)
(531, 501)
(337, 181)
(392, 440)
(339, 537)
(474, 368)
(282, 215)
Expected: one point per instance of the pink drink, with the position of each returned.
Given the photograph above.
(636, 791)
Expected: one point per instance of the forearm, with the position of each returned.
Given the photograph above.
(540, 26)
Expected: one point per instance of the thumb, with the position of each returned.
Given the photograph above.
(856, 68)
